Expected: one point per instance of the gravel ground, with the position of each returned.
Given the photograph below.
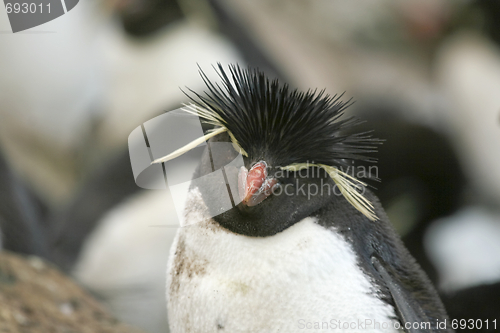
(36, 297)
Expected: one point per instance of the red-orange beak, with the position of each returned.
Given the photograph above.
(253, 185)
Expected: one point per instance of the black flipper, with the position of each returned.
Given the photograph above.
(407, 308)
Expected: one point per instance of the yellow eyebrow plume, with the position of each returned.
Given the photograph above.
(189, 146)
(210, 118)
(347, 185)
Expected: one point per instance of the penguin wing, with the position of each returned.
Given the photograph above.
(407, 308)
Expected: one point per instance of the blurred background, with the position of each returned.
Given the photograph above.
(425, 74)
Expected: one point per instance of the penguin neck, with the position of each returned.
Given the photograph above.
(263, 224)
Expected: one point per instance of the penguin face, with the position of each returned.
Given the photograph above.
(276, 199)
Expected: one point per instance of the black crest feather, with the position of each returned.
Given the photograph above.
(291, 126)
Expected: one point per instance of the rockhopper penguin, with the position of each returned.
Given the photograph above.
(289, 257)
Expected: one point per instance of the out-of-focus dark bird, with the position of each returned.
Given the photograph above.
(21, 215)
(422, 179)
(307, 245)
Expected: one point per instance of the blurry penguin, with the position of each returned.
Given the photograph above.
(21, 216)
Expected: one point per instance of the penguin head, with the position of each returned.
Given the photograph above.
(296, 148)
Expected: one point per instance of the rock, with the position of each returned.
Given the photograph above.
(36, 297)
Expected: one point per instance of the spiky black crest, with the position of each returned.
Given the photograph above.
(291, 126)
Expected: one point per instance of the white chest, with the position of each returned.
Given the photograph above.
(302, 279)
